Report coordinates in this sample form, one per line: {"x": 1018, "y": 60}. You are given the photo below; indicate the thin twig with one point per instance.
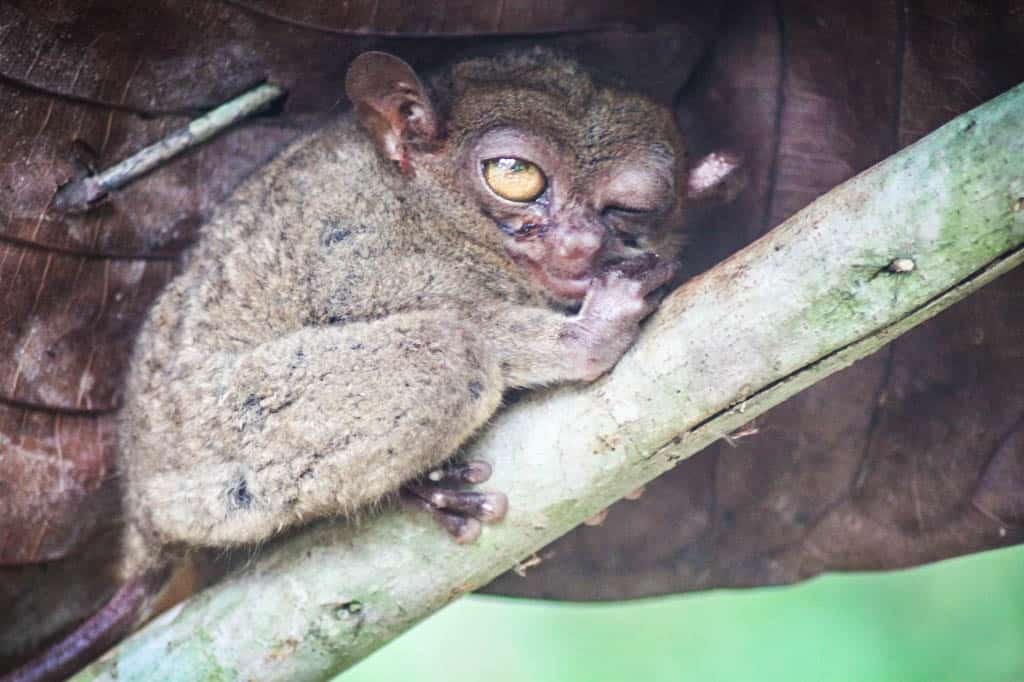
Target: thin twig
{"x": 78, "y": 196}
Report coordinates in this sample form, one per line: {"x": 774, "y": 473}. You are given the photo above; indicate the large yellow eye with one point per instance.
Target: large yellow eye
{"x": 514, "y": 179}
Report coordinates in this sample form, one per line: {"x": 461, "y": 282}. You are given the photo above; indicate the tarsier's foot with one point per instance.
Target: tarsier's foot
{"x": 460, "y": 512}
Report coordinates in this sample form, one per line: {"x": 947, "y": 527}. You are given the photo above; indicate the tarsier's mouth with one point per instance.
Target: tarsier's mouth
{"x": 560, "y": 285}
{"x": 565, "y": 287}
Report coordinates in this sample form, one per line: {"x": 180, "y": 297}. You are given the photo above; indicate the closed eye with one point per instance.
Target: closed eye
{"x": 630, "y": 241}
{"x": 629, "y": 223}
{"x": 626, "y": 210}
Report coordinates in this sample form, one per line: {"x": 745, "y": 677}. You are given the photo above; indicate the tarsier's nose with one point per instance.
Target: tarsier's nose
{"x": 577, "y": 245}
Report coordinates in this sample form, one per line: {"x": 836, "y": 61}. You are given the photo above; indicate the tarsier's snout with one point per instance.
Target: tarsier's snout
{"x": 575, "y": 248}
{"x": 562, "y": 257}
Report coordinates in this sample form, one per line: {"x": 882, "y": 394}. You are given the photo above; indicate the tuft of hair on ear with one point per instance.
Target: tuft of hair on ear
{"x": 392, "y": 104}
{"x": 716, "y": 178}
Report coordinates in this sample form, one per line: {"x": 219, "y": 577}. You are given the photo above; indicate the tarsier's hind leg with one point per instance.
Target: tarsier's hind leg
{"x": 460, "y": 512}
{"x": 322, "y": 422}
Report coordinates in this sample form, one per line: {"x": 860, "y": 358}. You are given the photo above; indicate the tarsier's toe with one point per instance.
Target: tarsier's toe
{"x": 488, "y": 507}
{"x": 460, "y": 512}
{"x": 464, "y": 529}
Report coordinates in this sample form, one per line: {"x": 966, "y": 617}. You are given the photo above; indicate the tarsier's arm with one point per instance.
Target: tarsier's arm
{"x": 580, "y": 347}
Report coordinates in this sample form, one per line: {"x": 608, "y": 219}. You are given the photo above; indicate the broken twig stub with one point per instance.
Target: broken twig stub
{"x": 80, "y": 195}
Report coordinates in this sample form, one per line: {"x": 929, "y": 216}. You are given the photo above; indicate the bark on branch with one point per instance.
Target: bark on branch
{"x": 863, "y": 264}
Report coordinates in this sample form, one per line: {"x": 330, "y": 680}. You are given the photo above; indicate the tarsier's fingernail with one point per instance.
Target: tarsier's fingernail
{"x": 474, "y": 471}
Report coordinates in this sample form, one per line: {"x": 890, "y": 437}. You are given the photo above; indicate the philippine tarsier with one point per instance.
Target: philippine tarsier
{"x": 357, "y": 310}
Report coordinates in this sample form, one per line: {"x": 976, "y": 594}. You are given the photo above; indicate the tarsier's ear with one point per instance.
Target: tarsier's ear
{"x": 391, "y": 103}
{"x": 715, "y": 179}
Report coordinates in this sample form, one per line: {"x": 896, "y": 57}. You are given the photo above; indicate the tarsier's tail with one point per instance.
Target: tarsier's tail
{"x": 126, "y": 609}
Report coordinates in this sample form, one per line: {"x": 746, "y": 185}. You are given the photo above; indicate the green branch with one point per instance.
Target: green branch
{"x": 868, "y": 261}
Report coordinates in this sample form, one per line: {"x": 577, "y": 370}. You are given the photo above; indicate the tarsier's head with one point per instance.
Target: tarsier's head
{"x": 574, "y": 173}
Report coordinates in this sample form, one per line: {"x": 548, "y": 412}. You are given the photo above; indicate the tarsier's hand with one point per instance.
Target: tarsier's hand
{"x": 619, "y": 298}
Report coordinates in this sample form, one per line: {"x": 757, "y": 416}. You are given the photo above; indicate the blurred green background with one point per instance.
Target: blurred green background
{"x": 960, "y": 620}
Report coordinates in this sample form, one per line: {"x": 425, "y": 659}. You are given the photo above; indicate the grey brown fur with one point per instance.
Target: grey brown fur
{"x": 356, "y": 311}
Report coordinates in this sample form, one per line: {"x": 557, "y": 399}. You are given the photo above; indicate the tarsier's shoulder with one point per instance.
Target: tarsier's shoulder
{"x": 328, "y": 175}
{"x": 324, "y": 170}
{"x": 313, "y": 229}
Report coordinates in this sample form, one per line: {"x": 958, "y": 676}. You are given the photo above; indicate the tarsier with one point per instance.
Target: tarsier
{"x": 358, "y": 309}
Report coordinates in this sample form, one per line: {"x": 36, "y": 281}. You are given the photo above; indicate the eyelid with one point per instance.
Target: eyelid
{"x": 628, "y": 210}
{"x": 635, "y": 188}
